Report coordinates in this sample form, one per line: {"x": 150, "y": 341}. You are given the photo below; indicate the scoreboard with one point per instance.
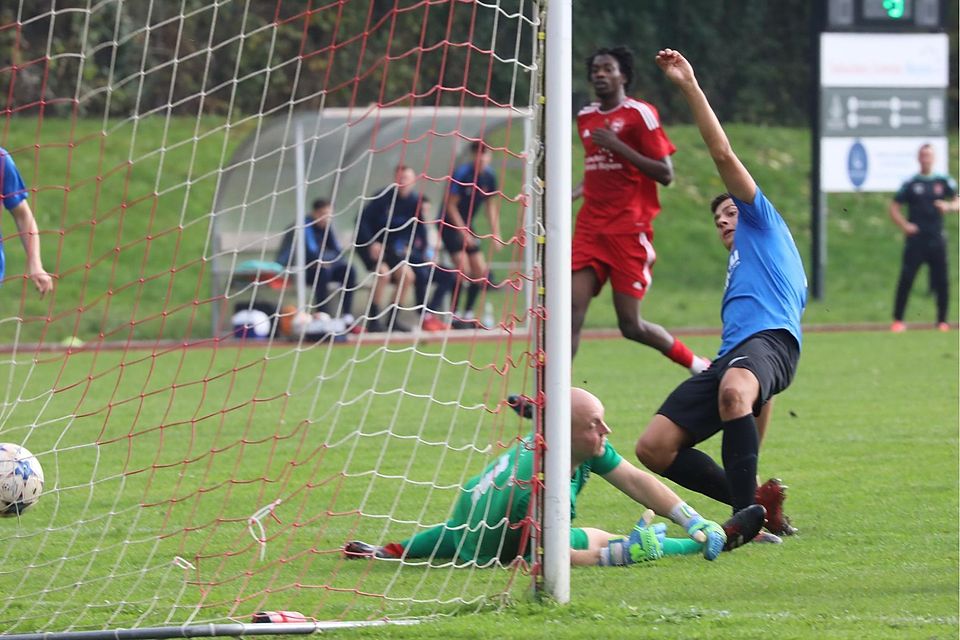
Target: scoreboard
{"x": 886, "y": 15}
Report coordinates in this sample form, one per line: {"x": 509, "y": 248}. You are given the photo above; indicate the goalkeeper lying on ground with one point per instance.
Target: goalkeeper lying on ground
{"x": 491, "y": 518}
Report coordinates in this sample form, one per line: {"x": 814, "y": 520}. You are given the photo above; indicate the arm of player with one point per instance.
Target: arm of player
{"x": 454, "y": 218}
{"x": 451, "y": 206}
{"x": 647, "y": 490}
{"x": 493, "y": 212}
{"x": 577, "y": 192}
{"x": 735, "y": 176}
{"x": 644, "y": 488}
{"x": 30, "y": 238}
{"x": 945, "y": 206}
{"x": 660, "y": 170}
{"x": 896, "y": 214}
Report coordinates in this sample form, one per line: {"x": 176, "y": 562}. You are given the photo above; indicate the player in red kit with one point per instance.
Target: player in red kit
{"x": 626, "y": 153}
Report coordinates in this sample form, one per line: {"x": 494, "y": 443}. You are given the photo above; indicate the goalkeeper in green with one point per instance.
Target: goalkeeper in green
{"x": 492, "y": 521}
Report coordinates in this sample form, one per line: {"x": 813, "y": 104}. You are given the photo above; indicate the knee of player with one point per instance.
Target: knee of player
{"x": 734, "y": 402}
{"x": 633, "y": 329}
{"x": 652, "y": 453}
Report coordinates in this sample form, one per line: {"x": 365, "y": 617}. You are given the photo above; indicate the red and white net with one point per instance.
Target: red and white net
{"x": 199, "y": 472}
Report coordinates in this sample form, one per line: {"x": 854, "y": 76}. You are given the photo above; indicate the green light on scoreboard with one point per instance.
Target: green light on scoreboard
{"x": 894, "y": 8}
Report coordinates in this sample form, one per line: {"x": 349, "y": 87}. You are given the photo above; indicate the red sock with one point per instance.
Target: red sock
{"x": 680, "y": 353}
{"x": 394, "y": 549}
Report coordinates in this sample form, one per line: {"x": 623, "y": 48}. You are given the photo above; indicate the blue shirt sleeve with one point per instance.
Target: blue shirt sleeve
{"x": 14, "y": 190}
{"x": 761, "y": 214}
{"x": 332, "y": 250}
{"x": 490, "y": 180}
{"x": 462, "y": 180}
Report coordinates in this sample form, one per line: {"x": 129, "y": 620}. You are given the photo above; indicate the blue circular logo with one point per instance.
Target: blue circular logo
{"x": 857, "y": 164}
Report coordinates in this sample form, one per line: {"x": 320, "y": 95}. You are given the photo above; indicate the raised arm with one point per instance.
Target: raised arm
{"x": 735, "y": 176}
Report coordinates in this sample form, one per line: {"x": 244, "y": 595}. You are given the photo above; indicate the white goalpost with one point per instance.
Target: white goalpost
{"x": 217, "y": 413}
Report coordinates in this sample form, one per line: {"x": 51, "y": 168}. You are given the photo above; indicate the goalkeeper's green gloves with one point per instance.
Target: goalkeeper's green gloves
{"x": 714, "y": 533}
{"x": 643, "y": 545}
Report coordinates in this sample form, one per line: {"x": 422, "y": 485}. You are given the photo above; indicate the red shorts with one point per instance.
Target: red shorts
{"x": 626, "y": 259}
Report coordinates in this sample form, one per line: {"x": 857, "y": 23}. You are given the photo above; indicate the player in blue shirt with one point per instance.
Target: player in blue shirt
{"x": 472, "y": 185}
{"x": 325, "y": 261}
{"x": 763, "y": 301}
{"x": 928, "y": 196}
{"x": 15, "y": 200}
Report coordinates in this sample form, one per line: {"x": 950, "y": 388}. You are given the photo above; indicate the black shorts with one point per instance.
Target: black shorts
{"x": 453, "y": 240}
{"x": 390, "y": 258}
{"x": 771, "y": 356}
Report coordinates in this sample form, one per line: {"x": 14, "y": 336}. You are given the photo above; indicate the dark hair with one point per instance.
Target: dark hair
{"x": 320, "y": 203}
{"x": 478, "y": 146}
{"x": 718, "y": 200}
{"x": 622, "y": 55}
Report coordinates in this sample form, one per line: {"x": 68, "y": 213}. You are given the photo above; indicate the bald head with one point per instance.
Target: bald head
{"x": 588, "y": 431}
{"x": 583, "y": 404}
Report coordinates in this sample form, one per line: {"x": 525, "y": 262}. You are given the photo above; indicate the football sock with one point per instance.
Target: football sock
{"x": 436, "y": 542}
{"x": 739, "y": 451}
{"x": 698, "y": 472}
{"x": 473, "y": 291}
{"x": 680, "y": 353}
{"x": 681, "y": 547}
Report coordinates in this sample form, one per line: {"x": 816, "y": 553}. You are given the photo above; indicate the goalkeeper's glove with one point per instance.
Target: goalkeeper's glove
{"x": 716, "y": 537}
{"x": 643, "y": 545}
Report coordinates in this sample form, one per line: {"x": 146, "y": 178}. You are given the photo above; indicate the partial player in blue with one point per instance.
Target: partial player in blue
{"x": 325, "y": 261}
{"x": 472, "y": 185}
{"x": 763, "y": 301}
{"x": 15, "y": 200}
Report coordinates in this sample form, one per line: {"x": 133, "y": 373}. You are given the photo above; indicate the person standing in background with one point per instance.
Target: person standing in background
{"x": 928, "y": 196}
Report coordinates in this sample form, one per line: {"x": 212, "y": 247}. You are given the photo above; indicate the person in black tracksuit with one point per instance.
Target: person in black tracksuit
{"x": 928, "y": 196}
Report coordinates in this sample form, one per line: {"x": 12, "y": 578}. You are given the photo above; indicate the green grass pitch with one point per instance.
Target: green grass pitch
{"x": 866, "y": 438}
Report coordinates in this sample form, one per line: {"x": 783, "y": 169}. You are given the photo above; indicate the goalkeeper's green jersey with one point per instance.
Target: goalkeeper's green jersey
{"x": 492, "y": 515}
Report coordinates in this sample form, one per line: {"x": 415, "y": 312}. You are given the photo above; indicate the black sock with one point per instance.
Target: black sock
{"x": 740, "y": 448}
{"x": 473, "y": 290}
{"x": 697, "y": 471}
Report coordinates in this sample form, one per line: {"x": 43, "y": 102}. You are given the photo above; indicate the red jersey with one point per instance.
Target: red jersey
{"x": 618, "y": 197}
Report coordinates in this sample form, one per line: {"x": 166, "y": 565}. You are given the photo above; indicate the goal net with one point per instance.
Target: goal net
{"x": 213, "y": 419}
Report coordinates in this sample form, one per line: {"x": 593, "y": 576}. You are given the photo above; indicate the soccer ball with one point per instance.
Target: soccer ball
{"x": 21, "y": 479}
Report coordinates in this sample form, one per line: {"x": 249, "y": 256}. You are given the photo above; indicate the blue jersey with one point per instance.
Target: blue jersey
{"x": 766, "y": 285}
{"x": 473, "y": 189}
{"x": 14, "y": 192}
{"x": 319, "y": 244}
{"x": 394, "y": 221}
